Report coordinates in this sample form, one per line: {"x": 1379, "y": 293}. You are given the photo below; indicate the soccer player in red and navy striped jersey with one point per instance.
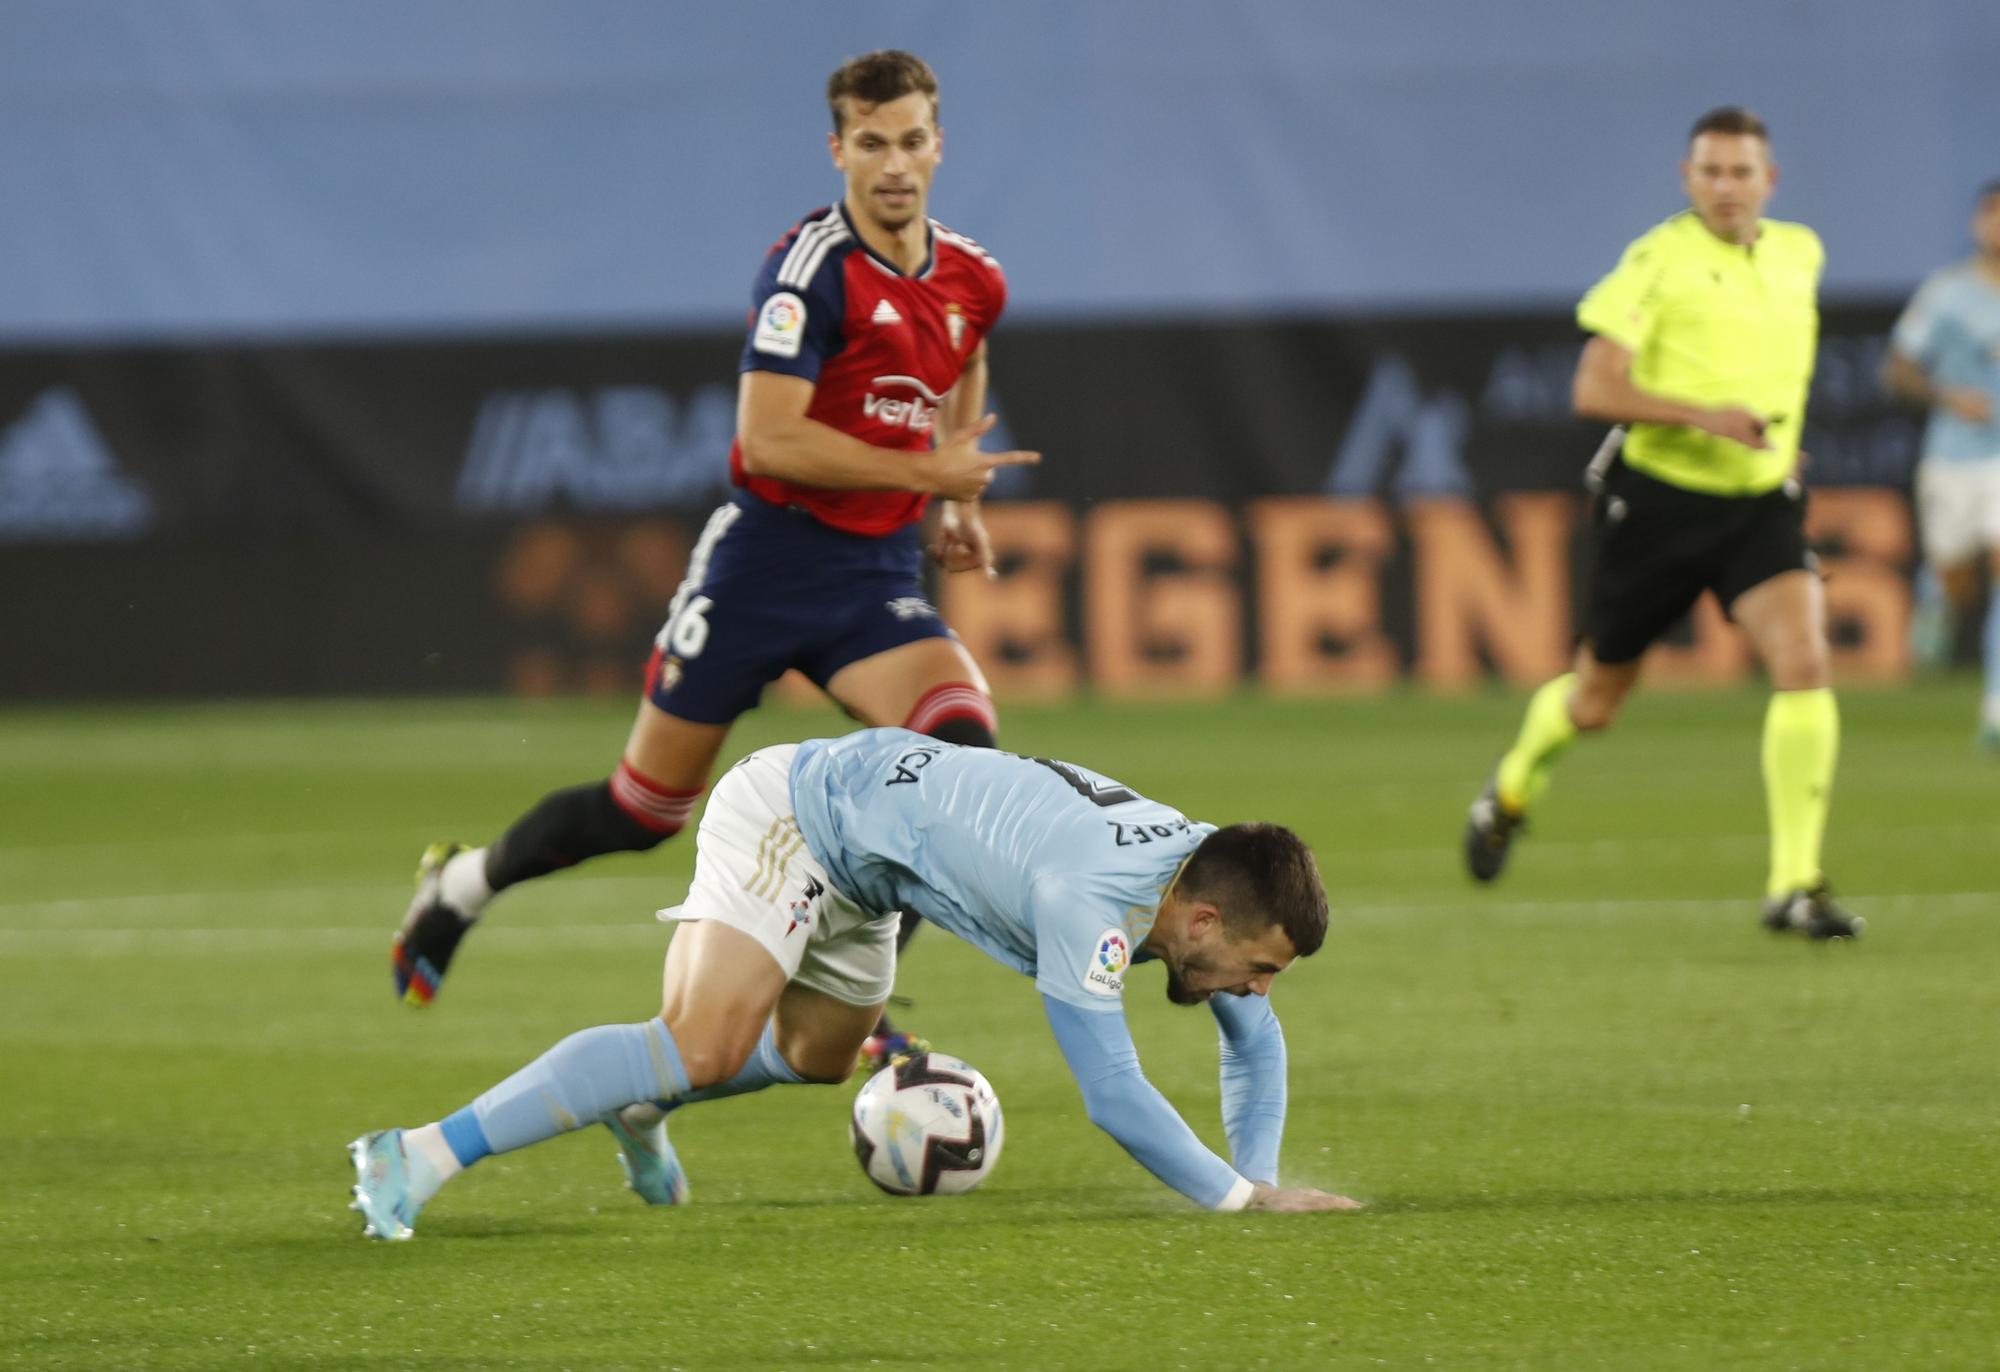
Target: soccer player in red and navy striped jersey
{"x": 862, "y": 397}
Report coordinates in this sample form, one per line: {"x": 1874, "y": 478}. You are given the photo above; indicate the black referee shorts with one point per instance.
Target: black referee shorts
{"x": 1655, "y": 547}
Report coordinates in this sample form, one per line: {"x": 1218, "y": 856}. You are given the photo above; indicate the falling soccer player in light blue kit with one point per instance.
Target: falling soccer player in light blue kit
{"x": 787, "y": 953}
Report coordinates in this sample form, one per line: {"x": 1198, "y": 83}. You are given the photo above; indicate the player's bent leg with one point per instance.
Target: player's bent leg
{"x": 819, "y": 1036}
{"x": 642, "y": 804}
{"x": 578, "y": 1082}
{"x": 719, "y": 989}
{"x": 716, "y": 982}
{"x": 936, "y": 673}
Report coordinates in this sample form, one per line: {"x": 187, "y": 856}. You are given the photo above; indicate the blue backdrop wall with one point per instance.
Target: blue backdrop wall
{"x": 382, "y": 166}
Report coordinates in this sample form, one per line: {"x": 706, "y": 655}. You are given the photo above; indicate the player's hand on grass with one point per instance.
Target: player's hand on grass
{"x": 962, "y": 543}
{"x": 959, "y": 471}
{"x": 1297, "y": 1200}
{"x": 1736, "y": 424}
{"x": 1969, "y": 403}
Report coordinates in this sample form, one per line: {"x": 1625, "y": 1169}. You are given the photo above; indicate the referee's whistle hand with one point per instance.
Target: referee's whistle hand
{"x": 1736, "y": 424}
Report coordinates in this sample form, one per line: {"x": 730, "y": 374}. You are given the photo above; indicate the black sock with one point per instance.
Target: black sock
{"x": 566, "y": 828}
{"x": 973, "y": 733}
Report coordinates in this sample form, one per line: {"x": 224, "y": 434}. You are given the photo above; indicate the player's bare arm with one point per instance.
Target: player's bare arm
{"x": 779, "y": 440}
{"x": 961, "y": 544}
{"x": 1907, "y": 380}
{"x": 1603, "y": 389}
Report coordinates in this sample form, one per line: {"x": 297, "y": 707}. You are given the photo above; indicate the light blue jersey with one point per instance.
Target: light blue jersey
{"x": 1050, "y": 868}
{"x": 1058, "y": 872}
{"x": 1952, "y": 330}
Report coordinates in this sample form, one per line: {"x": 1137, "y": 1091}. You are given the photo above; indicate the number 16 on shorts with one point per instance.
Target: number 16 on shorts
{"x": 688, "y": 634}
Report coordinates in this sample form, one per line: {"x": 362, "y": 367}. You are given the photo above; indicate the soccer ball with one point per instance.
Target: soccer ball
{"x": 926, "y": 1124}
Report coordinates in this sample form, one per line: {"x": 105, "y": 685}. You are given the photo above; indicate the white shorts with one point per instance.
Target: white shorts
{"x": 753, "y": 872}
{"x": 1958, "y": 508}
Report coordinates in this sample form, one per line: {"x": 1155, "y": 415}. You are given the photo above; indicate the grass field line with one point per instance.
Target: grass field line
{"x": 638, "y": 931}
{"x": 18, "y": 855}
{"x": 255, "y": 840}
{"x": 102, "y": 942}
{"x": 390, "y": 896}
{"x": 1874, "y": 836}
{"x": 1860, "y": 902}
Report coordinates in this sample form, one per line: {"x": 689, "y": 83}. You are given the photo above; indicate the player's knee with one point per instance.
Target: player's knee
{"x": 819, "y": 1059}
{"x": 956, "y": 712}
{"x": 1801, "y": 664}
{"x": 1590, "y": 711}
{"x": 708, "y": 1058}
{"x": 829, "y": 1070}
{"x": 642, "y": 811}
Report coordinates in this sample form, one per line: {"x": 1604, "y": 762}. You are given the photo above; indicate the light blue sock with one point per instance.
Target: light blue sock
{"x": 1991, "y": 647}
{"x": 578, "y": 1082}
{"x": 766, "y": 1067}
{"x": 1930, "y": 622}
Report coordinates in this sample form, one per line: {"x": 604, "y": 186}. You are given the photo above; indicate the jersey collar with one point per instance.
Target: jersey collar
{"x": 1721, "y": 245}
{"x": 930, "y": 248}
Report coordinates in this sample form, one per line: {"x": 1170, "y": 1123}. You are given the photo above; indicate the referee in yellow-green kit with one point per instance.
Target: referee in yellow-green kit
{"x": 1702, "y": 342}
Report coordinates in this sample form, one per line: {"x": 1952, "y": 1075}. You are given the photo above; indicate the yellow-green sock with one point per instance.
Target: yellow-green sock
{"x": 1545, "y": 732}
{"x": 1801, "y": 742}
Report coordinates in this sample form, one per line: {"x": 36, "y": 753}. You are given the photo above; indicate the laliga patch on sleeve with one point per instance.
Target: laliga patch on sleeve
{"x": 1104, "y": 971}
{"x": 781, "y": 326}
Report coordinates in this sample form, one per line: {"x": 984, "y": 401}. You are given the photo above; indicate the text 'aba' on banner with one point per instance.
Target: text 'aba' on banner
{"x": 1309, "y": 505}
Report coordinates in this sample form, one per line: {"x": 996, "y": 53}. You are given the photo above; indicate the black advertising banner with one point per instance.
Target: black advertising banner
{"x": 1311, "y": 503}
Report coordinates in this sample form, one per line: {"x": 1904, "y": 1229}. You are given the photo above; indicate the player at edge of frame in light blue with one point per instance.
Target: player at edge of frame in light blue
{"x": 785, "y": 952}
{"x": 1945, "y": 356}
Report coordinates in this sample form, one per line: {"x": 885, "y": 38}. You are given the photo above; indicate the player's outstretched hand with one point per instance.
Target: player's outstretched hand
{"x": 962, "y": 544}
{"x": 1736, "y": 424}
{"x": 1297, "y": 1200}
{"x": 959, "y": 471}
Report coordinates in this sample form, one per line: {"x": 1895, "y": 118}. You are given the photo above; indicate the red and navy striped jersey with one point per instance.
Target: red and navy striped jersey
{"x": 881, "y": 348}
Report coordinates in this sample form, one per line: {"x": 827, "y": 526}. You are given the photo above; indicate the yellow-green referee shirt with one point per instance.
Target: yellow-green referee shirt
{"x": 1710, "y": 323}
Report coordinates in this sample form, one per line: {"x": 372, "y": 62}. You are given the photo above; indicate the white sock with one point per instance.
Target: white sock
{"x": 463, "y": 884}
{"x": 427, "y": 1145}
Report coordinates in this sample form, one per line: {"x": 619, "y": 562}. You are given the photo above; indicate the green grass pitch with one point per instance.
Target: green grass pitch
{"x": 1602, "y": 1118}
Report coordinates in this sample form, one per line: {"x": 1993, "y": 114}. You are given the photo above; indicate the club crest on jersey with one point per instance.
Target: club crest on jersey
{"x": 1104, "y": 972}
{"x": 954, "y": 323}
{"x": 781, "y": 326}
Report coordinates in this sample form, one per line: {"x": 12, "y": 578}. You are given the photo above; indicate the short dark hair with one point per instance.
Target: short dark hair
{"x": 875, "y": 78}
{"x": 1259, "y": 875}
{"x": 1987, "y": 191}
{"x": 1729, "y": 119}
